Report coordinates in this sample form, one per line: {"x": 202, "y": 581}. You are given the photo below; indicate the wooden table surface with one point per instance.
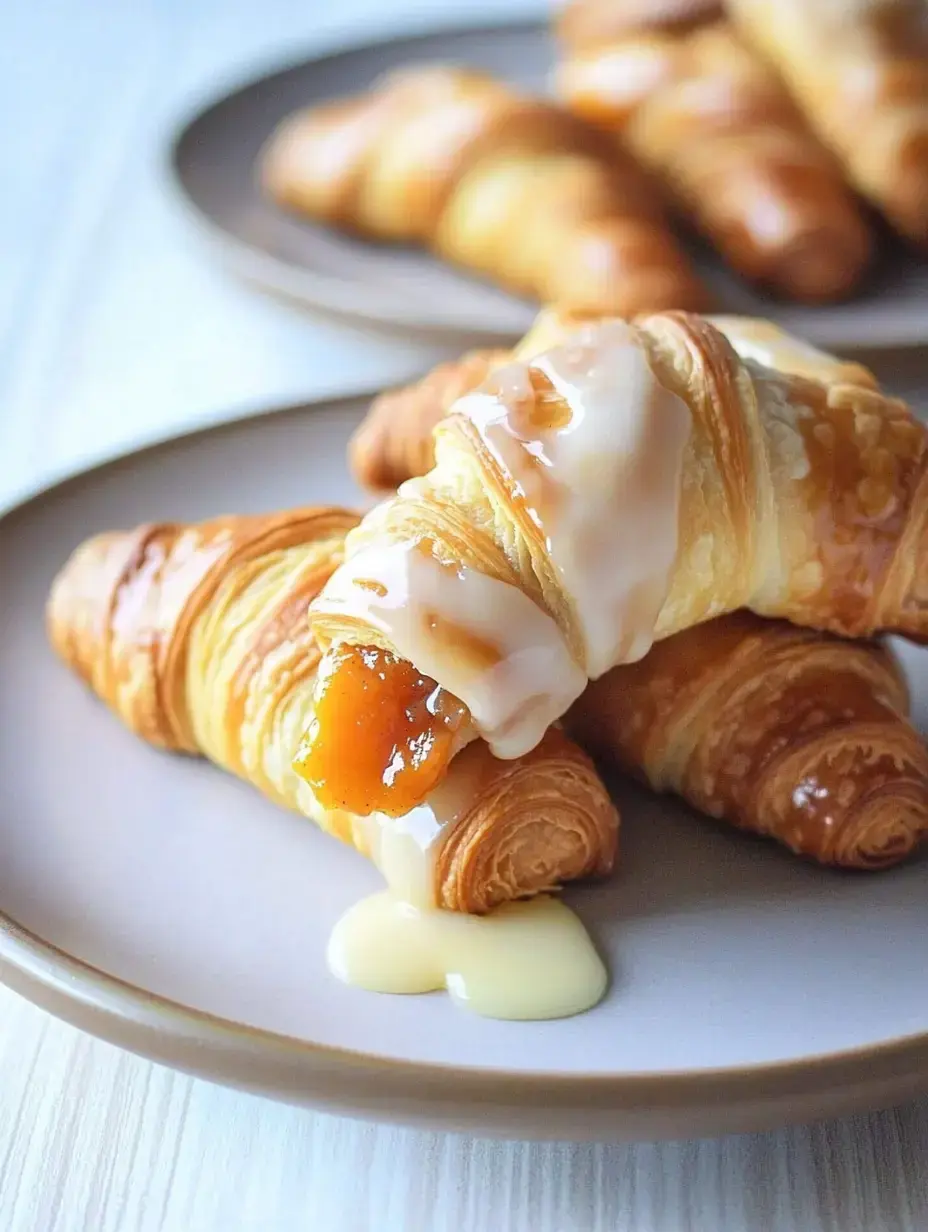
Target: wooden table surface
{"x": 114, "y": 328}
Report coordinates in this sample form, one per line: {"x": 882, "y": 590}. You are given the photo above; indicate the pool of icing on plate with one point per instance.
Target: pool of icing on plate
{"x": 523, "y": 960}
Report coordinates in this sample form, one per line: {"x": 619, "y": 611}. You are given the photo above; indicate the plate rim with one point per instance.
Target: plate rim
{"x": 527, "y": 1103}
{"x": 315, "y": 290}
{"x": 252, "y": 263}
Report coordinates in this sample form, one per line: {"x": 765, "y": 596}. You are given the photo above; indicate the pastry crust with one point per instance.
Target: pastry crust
{"x": 513, "y": 188}
{"x": 697, "y": 106}
{"x": 796, "y": 499}
{"x": 859, "y": 71}
{"x": 196, "y": 636}
{"x": 775, "y": 729}
{"x": 394, "y": 441}
{"x": 800, "y": 499}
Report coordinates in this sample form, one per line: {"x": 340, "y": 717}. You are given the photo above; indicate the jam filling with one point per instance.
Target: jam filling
{"x": 382, "y": 736}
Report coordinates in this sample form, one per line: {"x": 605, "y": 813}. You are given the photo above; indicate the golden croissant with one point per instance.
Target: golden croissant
{"x": 617, "y": 488}
{"x": 196, "y": 636}
{"x": 394, "y": 441}
{"x": 778, "y": 730}
{"x": 513, "y": 188}
{"x": 859, "y": 71}
{"x": 698, "y": 107}
{"x": 783, "y": 731}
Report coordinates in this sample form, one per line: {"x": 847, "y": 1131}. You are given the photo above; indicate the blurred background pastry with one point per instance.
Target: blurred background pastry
{"x": 678, "y": 86}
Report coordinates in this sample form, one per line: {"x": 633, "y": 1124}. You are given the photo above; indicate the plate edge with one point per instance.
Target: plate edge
{"x": 662, "y": 1104}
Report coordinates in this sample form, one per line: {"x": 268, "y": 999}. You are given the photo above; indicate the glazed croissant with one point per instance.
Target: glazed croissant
{"x": 859, "y": 71}
{"x": 779, "y": 730}
{"x": 619, "y": 488}
{"x": 698, "y": 107}
{"x": 510, "y": 187}
{"x": 394, "y": 441}
{"x": 196, "y": 636}
{"x": 749, "y": 720}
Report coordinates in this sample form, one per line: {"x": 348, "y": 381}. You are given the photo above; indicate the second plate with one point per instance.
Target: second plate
{"x": 213, "y": 160}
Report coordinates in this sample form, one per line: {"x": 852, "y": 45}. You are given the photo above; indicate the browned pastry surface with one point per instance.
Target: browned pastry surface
{"x": 796, "y": 498}
{"x": 772, "y": 728}
{"x": 395, "y": 439}
{"x": 817, "y": 488}
{"x": 775, "y": 729}
{"x": 196, "y": 636}
{"x": 513, "y": 188}
{"x": 703, "y": 111}
{"x": 859, "y": 71}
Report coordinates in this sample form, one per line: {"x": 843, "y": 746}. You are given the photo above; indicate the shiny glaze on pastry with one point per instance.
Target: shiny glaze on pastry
{"x": 796, "y": 499}
{"x": 779, "y": 730}
{"x": 705, "y": 714}
{"x": 196, "y": 636}
{"x": 772, "y": 347}
{"x": 583, "y": 442}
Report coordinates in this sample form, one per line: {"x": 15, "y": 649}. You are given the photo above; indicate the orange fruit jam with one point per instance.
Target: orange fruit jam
{"x": 382, "y": 735}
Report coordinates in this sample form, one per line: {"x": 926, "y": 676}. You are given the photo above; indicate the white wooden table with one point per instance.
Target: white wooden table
{"x": 114, "y": 327}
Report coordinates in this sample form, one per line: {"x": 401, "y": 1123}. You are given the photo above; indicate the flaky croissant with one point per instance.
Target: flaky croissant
{"x": 614, "y": 490}
{"x": 394, "y": 441}
{"x": 513, "y": 188}
{"x": 749, "y": 720}
{"x": 859, "y": 71}
{"x": 779, "y": 730}
{"x": 676, "y": 83}
{"x": 196, "y": 636}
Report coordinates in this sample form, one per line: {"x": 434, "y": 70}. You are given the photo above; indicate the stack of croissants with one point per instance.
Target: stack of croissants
{"x": 764, "y": 702}
{"x": 777, "y": 129}
{"x": 761, "y": 694}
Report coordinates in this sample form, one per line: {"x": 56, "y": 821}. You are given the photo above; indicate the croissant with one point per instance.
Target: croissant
{"x": 859, "y": 71}
{"x": 196, "y": 636}
{"x": 394, "y": 442}
{"x": 675, "y": 82}
{"x": 738, "y": 713}
{"x": 513, "y": 188}
{"x": 616, "y": 489}
{"x": 778, "y": 730}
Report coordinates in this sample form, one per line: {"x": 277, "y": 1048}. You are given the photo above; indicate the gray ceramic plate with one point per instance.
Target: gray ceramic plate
{"x": 163, "y": 905}
{"x": 213, "y": 160}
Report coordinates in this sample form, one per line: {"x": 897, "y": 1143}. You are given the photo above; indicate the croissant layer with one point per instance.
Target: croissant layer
{"x": 515, "y": 189}
{"x": 859, "y": 72}
{"x": 775, "y": 729}
{"x": 196, "y": 636}
{"x": 798, "y": 498}
{"x": 703, "y": 111}
{"x": 394, "y": 442}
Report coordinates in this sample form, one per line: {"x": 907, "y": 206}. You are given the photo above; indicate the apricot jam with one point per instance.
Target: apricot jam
{"x": 382, "y": 736}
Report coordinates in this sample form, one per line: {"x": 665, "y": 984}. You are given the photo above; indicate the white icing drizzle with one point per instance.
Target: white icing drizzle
{"x": 602, "y": 482}
{"x": 404, "y": 849}
{"x": 482, "y": 639}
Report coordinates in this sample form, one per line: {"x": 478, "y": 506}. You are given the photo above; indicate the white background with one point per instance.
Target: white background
{"x": 115, "y": 327}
